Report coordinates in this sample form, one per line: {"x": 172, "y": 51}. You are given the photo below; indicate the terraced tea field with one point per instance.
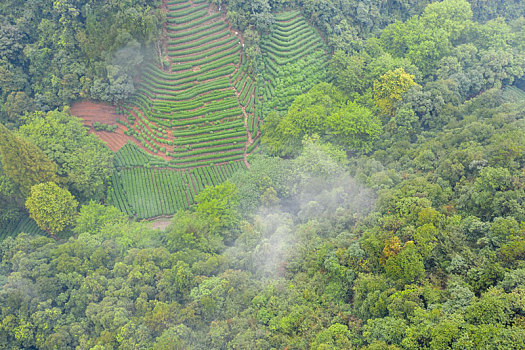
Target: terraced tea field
{"x": 295, "y": 59}
{"x": 513, "y": 94}
{"x": 193, "y": 113}
{"x": 198, "y": 117}
{"x": 144, "y": 187}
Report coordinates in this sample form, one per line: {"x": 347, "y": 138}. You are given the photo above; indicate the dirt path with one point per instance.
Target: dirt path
{"x": 249, "y": 141}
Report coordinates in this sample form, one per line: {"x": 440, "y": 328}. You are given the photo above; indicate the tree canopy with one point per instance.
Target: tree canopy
{"x": 384, "y": 207}
{"x": 83, "y": 160}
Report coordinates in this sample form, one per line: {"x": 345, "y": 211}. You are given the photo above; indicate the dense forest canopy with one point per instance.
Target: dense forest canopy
{"x": 55, "y": 52}
{"x": 383, "y": 209}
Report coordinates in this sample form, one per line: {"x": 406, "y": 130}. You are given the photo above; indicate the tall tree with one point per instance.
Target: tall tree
{"x": 83, "y": 159}
{"x": 24, "y": 162}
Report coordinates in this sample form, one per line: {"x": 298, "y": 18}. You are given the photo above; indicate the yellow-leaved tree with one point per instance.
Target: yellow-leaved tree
{"x": 389, "y": 90}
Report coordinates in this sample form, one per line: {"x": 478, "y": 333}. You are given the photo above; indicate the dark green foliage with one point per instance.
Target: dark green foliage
{"x": 53, "y": 54}
{"x": 398, "y": 227}
{"x": 24, "y": 163}
{"x": 84, "y": 161}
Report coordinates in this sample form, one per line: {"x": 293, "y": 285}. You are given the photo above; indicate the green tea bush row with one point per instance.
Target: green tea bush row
{"x": 234, "y": 158}
{"x": 130, "y": 155}
{"x": 185, "y": 11}
{"x": 301, "y": 42}
{"x": 207, "y": 144}
{"x": 246, "y": 94}
{"x": 188, "y": 44}
{"x": 195, "y": 103}
{"x": 194, "y": 23}
{"x": 208, "y": 157}
{"x": 286, "y": 16}
{"x": 183, "y": 34}
{"x": 153, "y": 192}
{"x": 180, "y": 6}
{"x": 227, "y": 44}
{"x": 175, "y": 2}
{"x": 212, "y": 107}
{"x": 291, "y": 31}
{"x": 253, "y": 145}
{"x": 249, "y": 105}
{"x": 190, "y": 17}
{"x": 233, "y": 125}
{"x": 222, "y": 53}
{"x": 206, "y": 30}
{"x": 221, "y": 83}
{"x": 298, "y": 32}
{"x": 240, "y": 84}
{"x": 206, "y": 150}
{"x": 279, "y": 45}
{"x": 117, "y": 196}
{"x": 209, "y": 137}
{"x": 282, "y": 25}
{"x": 221, "y": 62}
{"x": 210, "y": 118}
{"x": 202, "y": 50}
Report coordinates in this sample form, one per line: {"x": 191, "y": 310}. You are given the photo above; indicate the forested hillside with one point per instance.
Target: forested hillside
{"x": 55, "y": 52}
{"x": 336, "y": 174}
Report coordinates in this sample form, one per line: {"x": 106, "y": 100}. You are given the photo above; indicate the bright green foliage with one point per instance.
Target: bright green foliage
{"x": 93, "y": 217}
{"x": 355, "y": 74}
{"x": 493, "y": 194}
{"x": 323, "y": 110}
{"x": 337, "y": 336}
{"x": 319, "y": 160}
{"x": 354, "y": 126}
{"x": 23, "y": 162}
{"x": 218, "y": 205}
{"x": 53, "y": 208}
{"x": 83, "y": 160}
{"x": 270, "y": 174}
{"x": 389, "y": 90}
{"x": 416, "y": 243}
{"x": 428, "y": 38}
{"x": 387, "y": 329}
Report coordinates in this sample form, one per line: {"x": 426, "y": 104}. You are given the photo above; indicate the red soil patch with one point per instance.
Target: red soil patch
{"x": 91, "y": 112}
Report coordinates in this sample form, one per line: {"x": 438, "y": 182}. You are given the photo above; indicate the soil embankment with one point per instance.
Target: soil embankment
{"x": 91, "y": 112}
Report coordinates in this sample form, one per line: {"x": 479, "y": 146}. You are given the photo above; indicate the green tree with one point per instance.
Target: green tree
{"x": 337, "y": 336}
{"x": 24, "y": 163}
{"x": 406, "y": 266}
{"x": 83, "y": 159}
{"x": 9, "y": 206}
{"x": 93, "y": 217}
{"x": 354, "y": 126}
{"x": 389, "y": 90}
{"x": 53, "y": 208}
{"x": 219, "y": 206}
{"x": 17, "y": 104}
{"x": 427, "y": 38}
